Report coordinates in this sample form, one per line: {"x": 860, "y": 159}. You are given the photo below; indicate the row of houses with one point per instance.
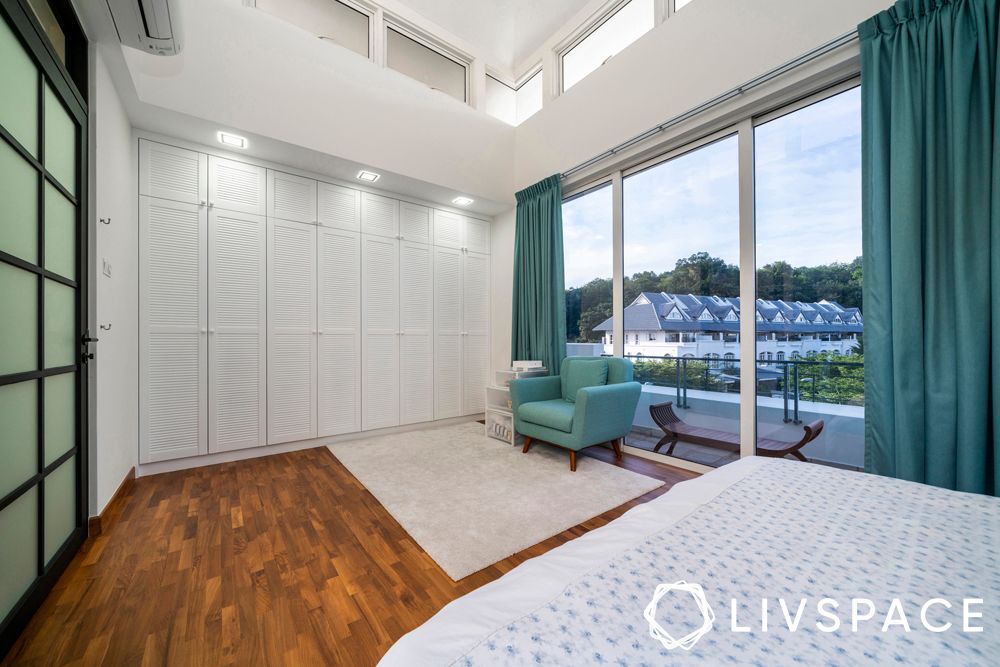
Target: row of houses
{"x": 658, "y": 324}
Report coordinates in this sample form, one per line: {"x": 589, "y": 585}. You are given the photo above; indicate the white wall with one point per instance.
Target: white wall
{"x": 114, "y": 435}
{"x": 246, "y": 70}
{"x": 706, "y": 49}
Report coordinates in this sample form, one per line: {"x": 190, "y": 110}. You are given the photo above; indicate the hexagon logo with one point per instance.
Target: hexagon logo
{"x": 688, "y": 641}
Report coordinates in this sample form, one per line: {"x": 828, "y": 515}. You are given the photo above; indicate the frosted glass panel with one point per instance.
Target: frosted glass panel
{"x": 60, "y": 142}
{"x": 60, "y": 330}
{"x": 19, "y": 83}
{"x": 60, "y": 506}
{"x": 19, "y": 194}
{"x": 60, "y": 415}
{"x": 60, "y": 233}
{"x": 18, "y": 548}
{"x": 19, "y": 320}
{"x": 18, "y": 434}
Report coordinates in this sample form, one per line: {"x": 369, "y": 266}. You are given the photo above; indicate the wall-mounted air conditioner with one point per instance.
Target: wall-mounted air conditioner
{"x": 153, "y": 26}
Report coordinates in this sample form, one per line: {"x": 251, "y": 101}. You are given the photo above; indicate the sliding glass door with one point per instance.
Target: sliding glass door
{"x": 42, "y": 310}
{"x": 681, "y": 253}
{"x": 738, "y": 289}
{"x": 809, "y": 324}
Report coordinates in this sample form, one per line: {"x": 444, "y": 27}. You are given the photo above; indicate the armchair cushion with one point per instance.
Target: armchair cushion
{"x": 556, "y": 413}
{"x": 579, "y": 373}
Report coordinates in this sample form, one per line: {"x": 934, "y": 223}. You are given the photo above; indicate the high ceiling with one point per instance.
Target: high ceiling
{"x": 510, "y": 30}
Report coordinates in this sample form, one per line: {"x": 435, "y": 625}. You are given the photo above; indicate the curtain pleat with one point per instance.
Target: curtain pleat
{"x": 539, "y": 302}
{"x": 931, "y": 226}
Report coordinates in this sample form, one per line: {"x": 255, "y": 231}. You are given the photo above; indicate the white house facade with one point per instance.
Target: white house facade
{"x": 686, "y": 325}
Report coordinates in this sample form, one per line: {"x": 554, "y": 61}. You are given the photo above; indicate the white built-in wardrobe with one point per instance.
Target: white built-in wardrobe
{"x": 276, "y": 308}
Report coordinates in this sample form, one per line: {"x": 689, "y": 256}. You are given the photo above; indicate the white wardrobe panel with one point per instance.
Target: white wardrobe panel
{"x": 414, "y": 223}
{"x": 475, "y": 372}
{"x": 416, "y": 340}
{"x": 339, "y": 340}
{"x": 236, "y": 186}
{"x": 476, "y": 293}
{"x": 173, "y": 173}
{"x": 379, "y": 215}
{"x": 477, "y": 235}
{"x": 291, "y": 341}
{"x": 172, "y": 329}
{"x": 339, "y": 207}
{"x": 237, "y": 330}
{"x": 476, "y": 319}
{"x": 291, "y": 197}
{"x": 449, "y": 229}
{"x": 380, "y": 331}
{"x": 448, "y": 331}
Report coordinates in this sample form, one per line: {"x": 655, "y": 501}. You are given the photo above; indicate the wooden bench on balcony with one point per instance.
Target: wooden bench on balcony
{"x": 675, "y": 429}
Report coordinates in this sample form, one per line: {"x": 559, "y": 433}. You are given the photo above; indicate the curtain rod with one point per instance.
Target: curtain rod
{"x": 805, "y": 58}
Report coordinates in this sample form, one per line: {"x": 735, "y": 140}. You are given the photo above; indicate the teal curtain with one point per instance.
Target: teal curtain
{"x": 539, "y": 317}
{"x": 931, "y": 220}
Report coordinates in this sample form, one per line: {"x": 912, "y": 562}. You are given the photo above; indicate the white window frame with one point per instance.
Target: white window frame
{"x": 663, "y": 9}
{"x": 370, "y": 10}
{"x": 794, "y": 98}
{"x": 425, "y": 39}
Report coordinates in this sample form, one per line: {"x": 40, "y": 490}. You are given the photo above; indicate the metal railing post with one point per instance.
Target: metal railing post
{"x": 784, "y": 389}
{"x": 795, "y": 380}
{"x": 684, "y": 384}
{"x": 677, "y": 382}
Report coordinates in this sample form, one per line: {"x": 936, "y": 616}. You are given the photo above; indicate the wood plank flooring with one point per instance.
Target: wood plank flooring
{"x": 281, "y": 560}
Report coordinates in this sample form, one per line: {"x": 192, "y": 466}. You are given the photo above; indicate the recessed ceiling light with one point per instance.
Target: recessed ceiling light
{"x": 232, "y": 140}
{"x": 368, "y": 176}
{"x": 462, "y": 201}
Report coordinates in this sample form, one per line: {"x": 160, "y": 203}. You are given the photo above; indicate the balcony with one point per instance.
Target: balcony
{"x": 705, "y": 392}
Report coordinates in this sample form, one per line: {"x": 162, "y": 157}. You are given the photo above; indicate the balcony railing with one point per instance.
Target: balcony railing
{"x": 793, "y": 380}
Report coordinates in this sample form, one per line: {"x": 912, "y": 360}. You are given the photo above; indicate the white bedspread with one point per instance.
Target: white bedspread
{"x": 758, "y": 528}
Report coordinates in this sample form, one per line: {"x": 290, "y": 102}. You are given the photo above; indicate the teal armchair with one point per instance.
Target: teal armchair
{"x": 592, "y": 401}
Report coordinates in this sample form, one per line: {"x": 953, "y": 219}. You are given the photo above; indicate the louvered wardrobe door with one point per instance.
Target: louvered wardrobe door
{"x": 416, "y": 326}
{"x": 291, "y": 197}
{"x": 339, "y": 340}
{"x": 172, "y": 330}
{"x": 236, "y": 186}
{"x": 477, "y": 235}
{"x": 414, "y": 223}
{"x": 380, "y": 331}
{"x": 379, "y": 215}
{"x": 476, "y": 330}
{"x": 237, "y": 381}
{"x": 449, "y": 231}
{"x": 168, "y": 172}
{"x": 447, "y": 333}
{"x": 339, "y": 207}
{"x": 291, "y": 331}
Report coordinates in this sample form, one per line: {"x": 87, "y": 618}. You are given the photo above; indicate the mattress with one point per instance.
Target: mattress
{"x": 764, "y": 561}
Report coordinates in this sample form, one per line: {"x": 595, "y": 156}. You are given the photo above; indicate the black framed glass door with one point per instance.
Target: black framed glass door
{"x": 43, "y": 304}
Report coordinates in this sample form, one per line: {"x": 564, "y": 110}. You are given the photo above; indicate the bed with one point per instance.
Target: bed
{"x": 759, "y": 528}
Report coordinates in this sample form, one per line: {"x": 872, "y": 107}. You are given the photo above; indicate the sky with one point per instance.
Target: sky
{"x": 807, "y": 196}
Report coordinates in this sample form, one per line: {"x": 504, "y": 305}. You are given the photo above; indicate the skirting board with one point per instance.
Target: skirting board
{"x": 95, "y": 524}
{"x": 146, "y": 469}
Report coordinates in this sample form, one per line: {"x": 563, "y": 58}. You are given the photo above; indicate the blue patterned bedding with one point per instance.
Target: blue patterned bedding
{"x": 789, "y": 533}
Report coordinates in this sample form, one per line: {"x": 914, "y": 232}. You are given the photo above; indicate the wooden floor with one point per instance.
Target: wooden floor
{"x": 282, "y": 560}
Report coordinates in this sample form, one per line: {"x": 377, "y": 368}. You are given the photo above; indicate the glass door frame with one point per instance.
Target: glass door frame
{"x": 743, "y": 128}
{"x": 20, "y": 18}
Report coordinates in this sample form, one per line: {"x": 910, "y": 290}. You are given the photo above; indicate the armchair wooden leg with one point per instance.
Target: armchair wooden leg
{"x": 617, "y": 445}
{"x": 527, "y": 444}
{"x": 572, "y": 461}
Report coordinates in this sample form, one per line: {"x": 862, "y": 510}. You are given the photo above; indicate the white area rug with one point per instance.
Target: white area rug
{"x": 470, "y": 501}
